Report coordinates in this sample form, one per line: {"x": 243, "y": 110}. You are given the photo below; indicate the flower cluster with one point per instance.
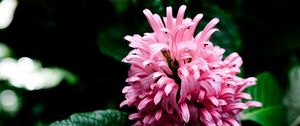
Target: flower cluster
{"x": 178, "y": 79}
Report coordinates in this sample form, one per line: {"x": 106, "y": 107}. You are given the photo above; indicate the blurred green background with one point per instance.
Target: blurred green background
{"x": 79, "y": 45}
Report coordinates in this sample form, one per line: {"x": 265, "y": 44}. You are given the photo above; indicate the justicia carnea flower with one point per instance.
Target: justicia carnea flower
{"x": 178, "y": 79}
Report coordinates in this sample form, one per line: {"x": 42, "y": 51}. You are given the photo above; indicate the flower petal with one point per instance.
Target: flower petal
{"x": 169, "y": 22}
{"x": 232, "y": 121}
{"x": 134, "y": 116}
{"x": 151, "y": 20}
{"x": 158, "y": 97}
{"x": 205, "y": 115}
{"x": 185, "y": 112}
{"x": 158, "y": 114}
{"x": 168, "y": 88}
{"x": 156, "y": 48}
{"x": 214, "y": 101}
{"x": 144, "y": 103}
{"x": 253, "y": 104}
{"x": 180, "y": 14}
{"x": 243, "y": 96}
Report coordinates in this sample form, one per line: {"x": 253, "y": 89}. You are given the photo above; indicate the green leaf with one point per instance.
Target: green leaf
{"x": 112, "y": 44}
{"x": 268, "y": 92}
{"x": 229, "y": 35}
{"x": 120, "y": 5}
{"x": 268, "y": 116}
{"x": 95, "y": 118}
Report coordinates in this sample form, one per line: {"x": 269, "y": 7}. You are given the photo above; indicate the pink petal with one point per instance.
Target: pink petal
{"x": 234, "y": 106}
{"x": 205, "y": 115}
{"x": 165, "y": 31}
{"x": 129, "y": 38}
{"x": 225, "y": 124}
{"x": 231, "y": 58}
{"x": 147, "y": 62}
{"x": 235, "y": 70}
{"x": 222, "y": 102}
{"x": 132, "y": 79}
{"x": 163, "y": 81}
{"x": 144, "y": 103}
{"x": 152, "y": 119}
{"x": 215, "y": 114}
{"x": 254, "y": 104}
{"x": 146, "y": 119}
{"x": 229, "y": 91}
{"x": 151, "y": 20}
{"x": 158, "y": 114}
{"x": 244, "y": 96}
{"x": 208, "y": 88}
{"x": 134, "y": 116}
{"x": 125, "y": 102}
{"x": 230, "y": 83}
{"x": 237, "y": 62}
{"x": 158, "y": 97}
{"x": 202, "y": 64}
{"x": 219, "y": 122}
{"x": 232, "y": 121}
{"x": 183, "y": 72}
{"x": 214, "y": 101}
{"x": 187, "y": 45}
{"x": 180, "y": 14}
{"x": 209, "y": 26}
{"x": 170, "y": 22}
{"x": 201, "y": 95}
{"x": 209, "y": 33}
{"x": 138, "y": 123}
{"x": 156, "y": 48}
{"x": 168, "y": 88}
{"x": 157, "y": 74}
{"x": 126, "y": 89}
{"x": 158, "y": 21}
{"x": 196, "y": 72}
{"x": 188, "y": 30}
{"x": 251, "y": 81}
{"x": 196, "y": 20}
{"x": 185, "y": 112}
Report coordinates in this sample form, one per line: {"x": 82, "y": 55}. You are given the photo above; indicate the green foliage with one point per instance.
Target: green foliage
{"x": 229, "y": 35}
{"x": 121, "y": 5}
{"x": 111, "y": 43}
{"x": 96, "y": 118}
{"x": 267, "y": 116}
{"x": 268, "y": 92}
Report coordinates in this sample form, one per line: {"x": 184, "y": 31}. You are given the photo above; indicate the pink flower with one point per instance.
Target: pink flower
{"x": 178, "y": 79}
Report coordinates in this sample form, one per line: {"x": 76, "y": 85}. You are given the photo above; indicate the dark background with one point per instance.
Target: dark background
{"x": 70, "y": 34}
